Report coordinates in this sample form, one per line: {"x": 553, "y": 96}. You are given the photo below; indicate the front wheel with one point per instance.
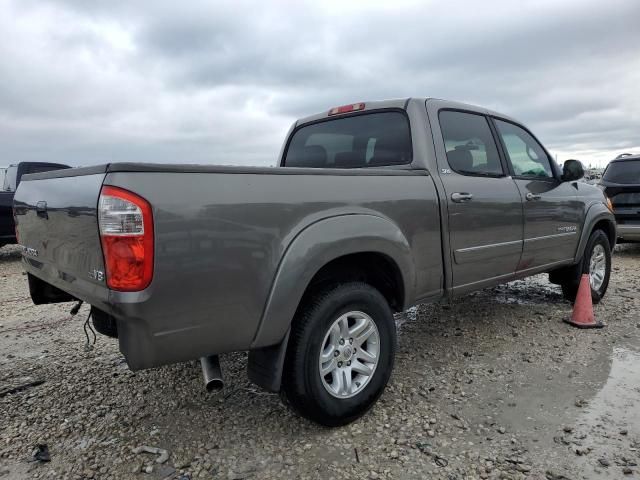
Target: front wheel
{"x": 596, "y": 261}
{"x": 340, "y": 353}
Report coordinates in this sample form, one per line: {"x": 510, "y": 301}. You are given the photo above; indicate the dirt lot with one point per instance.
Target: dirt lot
{"x": 493, "y": 386}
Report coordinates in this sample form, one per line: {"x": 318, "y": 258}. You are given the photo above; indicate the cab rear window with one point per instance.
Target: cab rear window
{"x": 366, "y": 140}
{"x": 627, "y": 172}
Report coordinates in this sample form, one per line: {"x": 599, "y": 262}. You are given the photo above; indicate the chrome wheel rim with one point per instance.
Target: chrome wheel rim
{"x": 597, "y": 267}
{"x": 349, "y": 354}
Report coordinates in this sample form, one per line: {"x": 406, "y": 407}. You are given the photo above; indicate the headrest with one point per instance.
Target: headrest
{"x": 389, "y": 150}
{"x": 460, "y": 159}
{"x": 312, "y": 156}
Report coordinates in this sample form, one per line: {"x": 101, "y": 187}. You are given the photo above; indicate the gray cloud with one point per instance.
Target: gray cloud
{"x": 88, "y": 82}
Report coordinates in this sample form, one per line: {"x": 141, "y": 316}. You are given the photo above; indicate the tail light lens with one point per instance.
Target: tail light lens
{"x": 126, "y": 231}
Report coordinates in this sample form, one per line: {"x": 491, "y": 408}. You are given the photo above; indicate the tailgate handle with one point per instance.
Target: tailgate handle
{"x": 41, "y": 209}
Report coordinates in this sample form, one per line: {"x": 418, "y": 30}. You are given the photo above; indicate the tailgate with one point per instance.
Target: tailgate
{"x": 57, "y": 225}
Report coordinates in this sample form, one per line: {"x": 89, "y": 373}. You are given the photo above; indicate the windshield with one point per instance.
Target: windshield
{"x": 627, "y": 172}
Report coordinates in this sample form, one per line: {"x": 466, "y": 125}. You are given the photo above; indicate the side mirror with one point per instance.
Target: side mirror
{"x": 572, "y": 170}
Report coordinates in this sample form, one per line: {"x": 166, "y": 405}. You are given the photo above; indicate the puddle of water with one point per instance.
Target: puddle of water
{"x": 610, "y": 426}
{"x": 618, "y": 402}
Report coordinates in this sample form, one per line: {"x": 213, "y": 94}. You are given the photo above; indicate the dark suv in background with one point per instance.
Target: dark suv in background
{"x": 621, "y": 183}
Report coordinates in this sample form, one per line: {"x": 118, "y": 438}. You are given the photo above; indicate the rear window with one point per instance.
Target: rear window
{"x": 368, "y": 140}
{"x": 623, "y": 172}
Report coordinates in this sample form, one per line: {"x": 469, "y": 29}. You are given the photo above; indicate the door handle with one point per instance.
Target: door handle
{"x": 532, "y": 196}
{"x": 461, "y": 197}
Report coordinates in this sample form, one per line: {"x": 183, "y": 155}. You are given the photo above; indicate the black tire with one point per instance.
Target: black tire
{"x": 572, "y": 282}
{"x": 302, "y": 383}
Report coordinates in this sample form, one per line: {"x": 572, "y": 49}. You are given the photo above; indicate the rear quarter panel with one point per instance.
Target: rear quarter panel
{"x": 220, "y": 238}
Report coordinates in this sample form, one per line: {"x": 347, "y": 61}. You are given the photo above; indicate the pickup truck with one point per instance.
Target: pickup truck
{"x": 9, "y": 179}
{"x": 373, "y": 208}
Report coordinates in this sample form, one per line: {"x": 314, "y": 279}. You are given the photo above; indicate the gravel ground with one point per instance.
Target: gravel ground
{"x": 492, "y": 386}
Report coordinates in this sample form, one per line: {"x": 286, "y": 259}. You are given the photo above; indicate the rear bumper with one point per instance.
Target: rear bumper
{"x": 149, "y": 334}
{"x": 629, "y": 232}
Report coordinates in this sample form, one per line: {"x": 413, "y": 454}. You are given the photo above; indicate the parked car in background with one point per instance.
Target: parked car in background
{"x": 11, "y": 177}
{"x": 621, "y": 184}
{"x": 374, "y": 207}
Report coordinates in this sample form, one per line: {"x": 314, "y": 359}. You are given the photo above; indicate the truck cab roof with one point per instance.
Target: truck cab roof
{"x": 399, "y": 103}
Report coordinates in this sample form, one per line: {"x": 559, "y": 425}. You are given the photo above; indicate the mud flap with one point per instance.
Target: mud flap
{"x": 266, "y": 364}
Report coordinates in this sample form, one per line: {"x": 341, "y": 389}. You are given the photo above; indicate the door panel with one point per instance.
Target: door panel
{"x": 484, "y": 206}
{"x": 552, "y": 212}
{"x": 552, "y": 222}
{"x": 485, "y": 232}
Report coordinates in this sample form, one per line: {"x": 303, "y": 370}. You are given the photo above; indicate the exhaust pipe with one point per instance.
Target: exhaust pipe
{"x": 211, "y": 373}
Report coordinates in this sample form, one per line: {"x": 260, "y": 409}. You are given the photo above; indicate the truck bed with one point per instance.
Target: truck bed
{"x": 220, "y": 236}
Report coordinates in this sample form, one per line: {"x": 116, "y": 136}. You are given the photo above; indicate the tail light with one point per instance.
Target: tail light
{"x": 126, "y": 231}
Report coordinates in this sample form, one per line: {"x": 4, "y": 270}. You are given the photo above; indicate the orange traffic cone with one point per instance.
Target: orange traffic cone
{"x": 582, "y": 316}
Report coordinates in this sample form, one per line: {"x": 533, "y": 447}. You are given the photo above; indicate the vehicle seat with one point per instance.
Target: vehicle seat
{"x": 312, "y": 156}
{"x": 389, "y": 150}
{"x": 460, "y": 160}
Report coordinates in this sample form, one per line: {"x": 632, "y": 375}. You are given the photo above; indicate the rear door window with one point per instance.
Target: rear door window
{"x": 367, "y": 140}
{"x": 627, "y": 172}
{"x": 471, "y": 149}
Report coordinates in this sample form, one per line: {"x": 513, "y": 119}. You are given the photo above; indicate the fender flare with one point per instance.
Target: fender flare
{"x": 596, "y": 213}
{"x": 314, "y": 247}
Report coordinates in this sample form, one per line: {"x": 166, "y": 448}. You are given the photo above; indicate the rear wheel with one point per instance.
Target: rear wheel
{"x": 340, "y": 354}
{"x": 596, "y": 261}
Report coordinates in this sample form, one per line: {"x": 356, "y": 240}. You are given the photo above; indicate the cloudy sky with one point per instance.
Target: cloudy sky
{"x": 86, "y": 82}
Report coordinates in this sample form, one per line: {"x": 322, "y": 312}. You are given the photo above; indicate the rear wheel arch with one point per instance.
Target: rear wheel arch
{"x": 319, "y": 248}
{"x": 386, "y": 266}
{"x": 373, "y": 268}
{"x": 370, "y": 268}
